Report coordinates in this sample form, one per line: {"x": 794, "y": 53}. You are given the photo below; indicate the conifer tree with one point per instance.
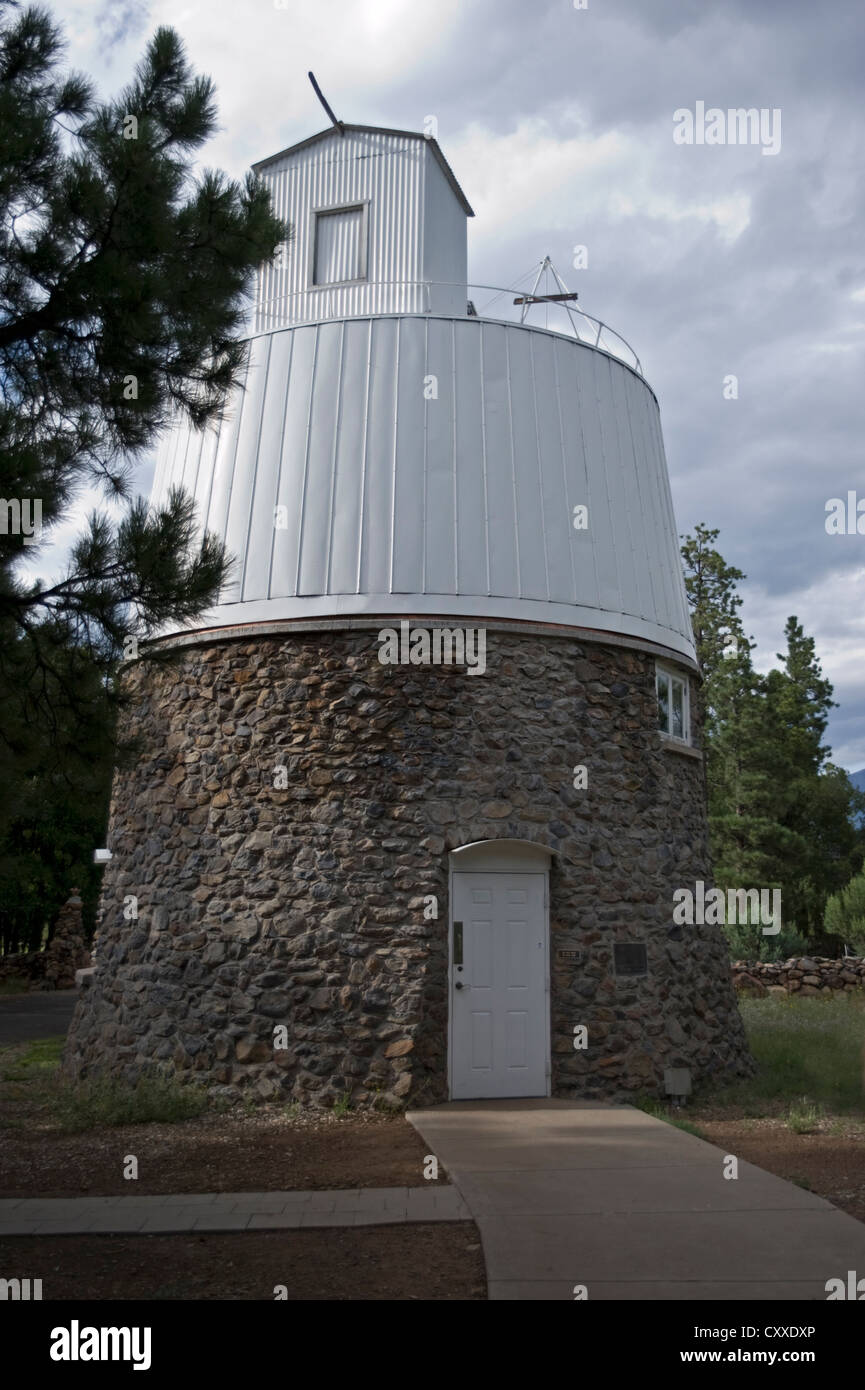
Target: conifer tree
{"x": 124, "y": 281}
{"x": 780, "y": 815}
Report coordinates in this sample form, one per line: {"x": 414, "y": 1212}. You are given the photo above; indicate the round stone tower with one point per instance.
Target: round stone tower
{"x": 412, "y": 801}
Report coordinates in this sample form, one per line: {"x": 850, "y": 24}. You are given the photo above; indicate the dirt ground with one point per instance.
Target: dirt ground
{"x": 266, "y": 1152}
{"x": 415, "y": 1262}
{"x": 830, "y": 1161}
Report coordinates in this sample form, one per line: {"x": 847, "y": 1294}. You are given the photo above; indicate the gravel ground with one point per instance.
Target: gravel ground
{"x": 830, "y": 1161}
{"x": 395, "y": 1263}
{"x": 268, "y": 1151}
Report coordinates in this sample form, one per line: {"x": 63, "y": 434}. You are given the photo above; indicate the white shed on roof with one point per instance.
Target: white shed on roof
{"x": 379, "y": 227}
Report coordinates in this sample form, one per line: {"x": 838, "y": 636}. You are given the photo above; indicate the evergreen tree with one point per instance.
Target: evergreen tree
{"x": 780, "y": 815}
{"x": 845, "y": 914}
{"x": 124, "y": 282}
{"x": 711, "y": 587}
{"x": 742, "y": 825}
{"x": 815, "y": 799}
{"x": 122, "y": 295}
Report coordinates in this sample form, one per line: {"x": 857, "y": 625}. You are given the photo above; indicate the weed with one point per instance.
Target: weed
{"x": 108, "y": 1102}
{"x": 650, "y": 1105}
{"x": 803, "y": 1116}
{"x": 342, "y": 1106}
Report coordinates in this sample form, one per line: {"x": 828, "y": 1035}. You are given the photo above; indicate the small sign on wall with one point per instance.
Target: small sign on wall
{"x": 567, "y": 955}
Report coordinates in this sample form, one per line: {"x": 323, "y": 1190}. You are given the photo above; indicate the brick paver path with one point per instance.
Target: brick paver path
{"x": 229, "y": 1211}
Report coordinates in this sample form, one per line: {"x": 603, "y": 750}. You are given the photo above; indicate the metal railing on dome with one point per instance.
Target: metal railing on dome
{"x": 570, "y": 319}
{"x": 512, "y": 306}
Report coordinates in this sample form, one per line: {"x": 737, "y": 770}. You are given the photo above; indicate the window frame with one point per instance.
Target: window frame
{"x": 670, "y": 676}
{"x": 357, "y": 205}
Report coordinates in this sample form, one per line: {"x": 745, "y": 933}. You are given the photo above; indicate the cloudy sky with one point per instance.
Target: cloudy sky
{"x": 711, "y": 259}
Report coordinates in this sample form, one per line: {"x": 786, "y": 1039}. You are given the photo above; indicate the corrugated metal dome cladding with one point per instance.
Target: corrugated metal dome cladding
{"x": 459, "y": 504}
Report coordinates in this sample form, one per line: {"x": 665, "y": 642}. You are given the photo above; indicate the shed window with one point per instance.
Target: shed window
{"x": 674, "y": 717}
{"x": 340, "y": 245}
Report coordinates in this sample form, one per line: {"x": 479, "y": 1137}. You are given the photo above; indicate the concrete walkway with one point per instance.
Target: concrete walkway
{"x": 228, "y": 1211}
{"x": 569, "y": 1193}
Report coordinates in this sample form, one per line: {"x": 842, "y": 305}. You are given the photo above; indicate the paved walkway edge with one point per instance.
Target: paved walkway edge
{"x": 229, "y": 1211}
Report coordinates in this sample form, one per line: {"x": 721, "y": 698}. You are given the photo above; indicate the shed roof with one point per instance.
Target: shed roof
{"x": 377, "y": 130}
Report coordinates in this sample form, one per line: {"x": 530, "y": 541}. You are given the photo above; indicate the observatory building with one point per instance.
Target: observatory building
{"x": 412, "y": 800}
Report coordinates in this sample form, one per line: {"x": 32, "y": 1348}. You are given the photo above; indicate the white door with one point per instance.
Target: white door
{"x": 499, "y": 1029}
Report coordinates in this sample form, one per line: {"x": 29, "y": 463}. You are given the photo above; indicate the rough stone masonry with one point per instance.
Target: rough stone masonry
{"x": 296, "y": 897}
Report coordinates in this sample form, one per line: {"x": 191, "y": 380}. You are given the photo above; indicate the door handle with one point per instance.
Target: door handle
{"x": 459, "y": 985}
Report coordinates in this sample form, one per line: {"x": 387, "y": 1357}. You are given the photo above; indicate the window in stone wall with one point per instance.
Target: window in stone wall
{"x": 674, "y": 714}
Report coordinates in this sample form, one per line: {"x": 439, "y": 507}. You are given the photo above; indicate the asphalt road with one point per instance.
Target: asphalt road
{"x": 25, "y": 1016}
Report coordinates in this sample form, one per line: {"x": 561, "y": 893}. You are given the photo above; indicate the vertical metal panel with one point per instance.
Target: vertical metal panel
{"x": 408, "y": 513}
{"x": 441, "y": 520}
{"x": 527, "y": 492}
{"x": 395, "y": 497}
{"x": 163, "y": 472}
{"x": 348, "y": 476}
{"x": 262, "y": 527}
{"x": 471, "y": 505}
{"x": 286, "y": 541}
{"x": 323, "y": 426}
{"x": 245, "y": 465}
{"x": 668, "y": 584}
{"x": 444, "y": 244}
{"x": 223, "y": 471}
{"x": 375, "y": 568}
{"x": 571, "y": 417}
{"x": 206, "y": 469}
{"x": 646, "y": 517}
{"x": 591, "y": 380}
{"x": 620, "y": 482}
{"x": 555, "y": 522}
{"x": 501, "y": 507}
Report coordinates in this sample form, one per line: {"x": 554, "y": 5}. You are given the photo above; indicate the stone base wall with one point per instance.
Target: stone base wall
{"x": 289, "y": 816}
{"x": 800, "y": 975}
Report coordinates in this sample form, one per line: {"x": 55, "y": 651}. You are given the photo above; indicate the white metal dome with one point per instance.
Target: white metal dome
{"x": 421, "y": 463}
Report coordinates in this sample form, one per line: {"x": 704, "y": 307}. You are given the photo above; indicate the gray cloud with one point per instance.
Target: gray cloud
{"x": 116, "y": 23}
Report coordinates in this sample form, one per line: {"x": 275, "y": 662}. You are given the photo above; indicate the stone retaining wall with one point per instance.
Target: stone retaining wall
{"x": 800, "y": 975}
{"x": 56, "y": 966}
{"x": 299, "y": 898}
{"x": 28, "y": 967}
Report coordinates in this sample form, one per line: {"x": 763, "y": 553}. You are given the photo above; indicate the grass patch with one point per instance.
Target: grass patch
{"x": 650, "y": 1105}
{"x": 31, "y": 1061}
{"x": 31, "y": 1082}
{"x": 809, "y": 1054}
{"x": 105, "y": 1102}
